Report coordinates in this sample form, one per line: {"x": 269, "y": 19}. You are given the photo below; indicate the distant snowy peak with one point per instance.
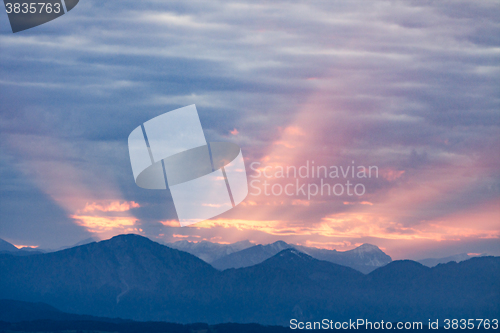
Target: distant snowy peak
{"x": 293, "y": 253}
{"x": 365, "y": 258}
{"x": 371, "y": 255}
{"x": 290, "y": 255}
{"x": 208, "y": 251}
{"x": 278, "y": 246}
{"x": 431, "y": 262}
{"x": 367, "y": 248}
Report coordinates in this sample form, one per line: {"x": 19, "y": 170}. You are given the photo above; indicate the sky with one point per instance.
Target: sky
{"x": 410, "y": 88}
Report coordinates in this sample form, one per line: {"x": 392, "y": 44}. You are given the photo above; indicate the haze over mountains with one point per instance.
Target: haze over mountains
{"x": 431, "y": 262}
{"x": 8, "y": 247}
{"x": 364, "y": 258}
{"x": 132, "y": 277}
{"x": 251, "y": 256}
{"x": 208, "y": 251}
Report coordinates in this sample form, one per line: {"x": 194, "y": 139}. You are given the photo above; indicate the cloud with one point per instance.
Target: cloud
{"x": 113, "y": 206}
{"x": 408, "y": 86}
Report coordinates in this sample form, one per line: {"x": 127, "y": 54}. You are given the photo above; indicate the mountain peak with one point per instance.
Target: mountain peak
{"x": 129, "y": 238}
{"x": 208, "y": 251}
{"x": 293, "y": 254}
{"x": 288, "y": 258}
{"x": 401, "y": 268}
{"x": 125, "y": 241}
{"x": 6, "y": 246}
{"x": 278, "y": 246}
{"x": 245, "y": 242}
{"x": 367, "y": 248}
{"x": 370, "y": 255}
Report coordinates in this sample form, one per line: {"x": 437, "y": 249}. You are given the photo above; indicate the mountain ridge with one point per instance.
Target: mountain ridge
{"x": 364, "y": 258}
{"x": 208, "y": 251}
{"x": 250, "y": 256}
{"x": 6, "y": 246}
{"x": 431, "y": 262}
{"x": 132, "y": 277}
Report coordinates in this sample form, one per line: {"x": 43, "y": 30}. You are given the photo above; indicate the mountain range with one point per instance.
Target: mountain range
{"x": 431, "y": 262}
{"x": 208, "y": 251}
{"x": 23, "y": 251}
{"x": 132, "y": 277}
{"x": 18, "y": 316}
{"x": 364, "y": 258}
{"x": 19, "y": 311}
{"x": 250, "y": 256}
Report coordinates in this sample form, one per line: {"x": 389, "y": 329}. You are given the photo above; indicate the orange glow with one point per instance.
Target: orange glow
{"x": 171, "y": 223}
{"x": 29, "y": 246}
{"x": 294, "y": 131}
{"x": 412, "y": 206}
{"x": 99, "y": 224}
{"x": 181, "y": 236}
{"x": 329, "y": 245}
{"x": 270, "y": 227}
{"x": 113, "y": 206}
{"x": 248, "y": 203}
{"x": 353, "y": 226}
{"x": 73, "y": 188}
